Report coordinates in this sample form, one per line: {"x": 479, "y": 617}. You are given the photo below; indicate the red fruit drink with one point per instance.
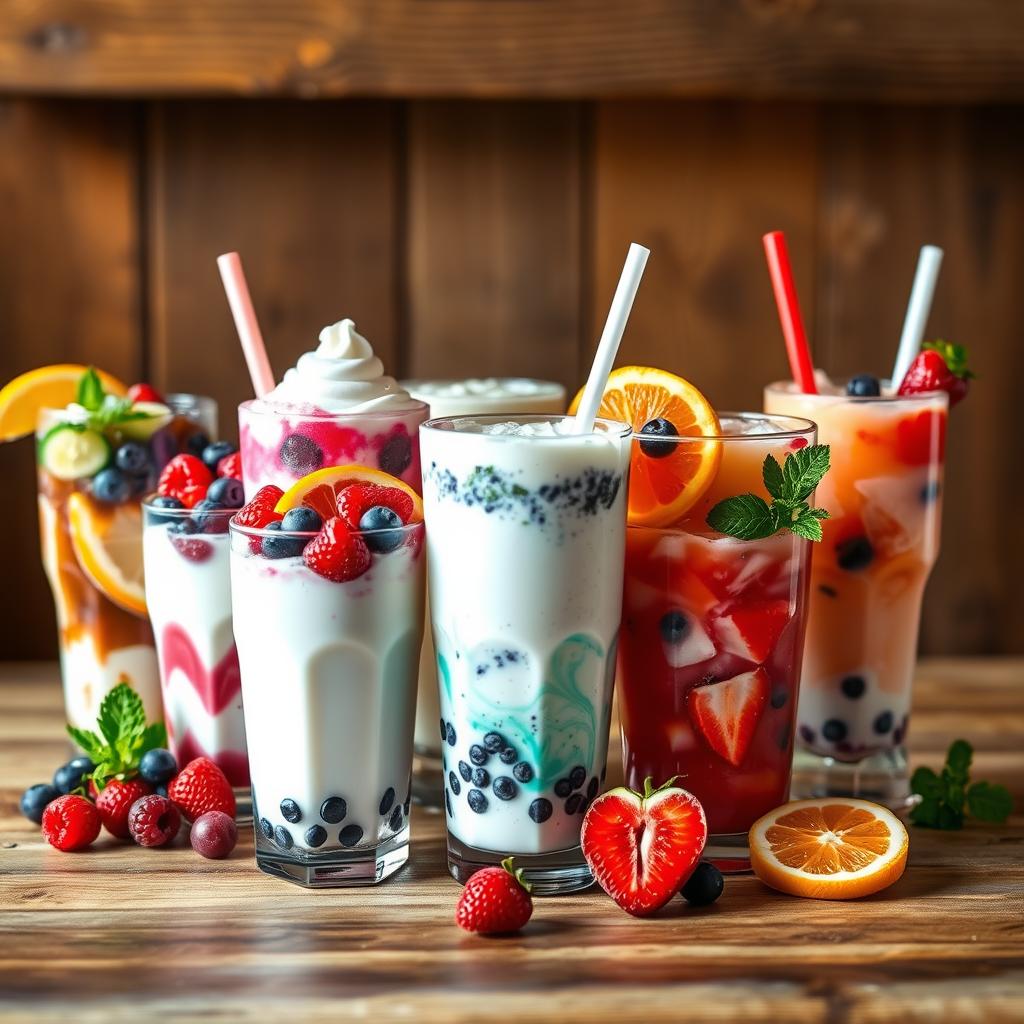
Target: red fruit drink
{"x": 712, "y": 637}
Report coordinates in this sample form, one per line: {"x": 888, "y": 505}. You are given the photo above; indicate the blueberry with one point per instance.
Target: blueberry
{"x": 283, "y": 837}
{"x": 806, "y": 734}
{"x": 111, "y": 485}
{"x": 883, "y": 723}
{"x": 132, "y": 458}
{"x": 930, "y": 492}
{"x": 69, "y": 776}
{"x": 450, "y": 735}
{"x": 395, "y": 821}
{"x": 779, "y": 698}
{"x": 504, "y": 788}
{"x": 316, "y": 835}
{"x": 386, "y": 801}
{"x": 855, "y": 553}
{"x": 578, "y": 776}
{"x": 396, "y": 455}
{"x": 333, "y": 810}
{"x": 196, "y": 445}
{"x": 674, "y": 626}
{"x": 863, "y": 386}
{"x": 157, "y": 765}
{"x": 660, "y": 427}
{"x": 834, "y": 730}
{"x": 290, "y": 811}
{"x": 572, "y": 805}
{"x": 494, "y": 741}
{"x": 540, "y": 810}
{"x": 281, "y": 547}
{"x": 209, "y": 517}
{"x": 228, "y": 493}
{"x": 509, "y": 755}
{"x": 563, "y": 787}
{"x": 213, "y": 453}
{"x": 266, "y": 828}
{"x": 593, "y": 788}
{"x": 704, "y": 886}
{"x": 350, "y": 835}
{"x": 35, "y": 798}
{"x": 478, "y": 755}
{"x": 160, "y": 790}
{"x": 388, "y": 522}
{"x": 477, "y": 801}
{"x": 522, "y": 772}
{"x": 481, "y": 778}
{"x": 448, "y": 804}
{"x": 453, "y": 781}
{"x": 301, "y": 520}
{"x": 465, "y": 771}
{"x": 167, "y": 502}
{"x": 853, "y": 687}
{"x": 300, "y": 454}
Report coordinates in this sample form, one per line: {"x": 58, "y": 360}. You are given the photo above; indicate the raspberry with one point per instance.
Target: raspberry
{"x": 336, "y": 554}
{"x": 70, "y": 823}
{"x": 355, "y": 499}
{"x": 145, "y": 393}
{"x": 153, "y": 820}
{"x": 183, "y": 478}
{"x": 213, "y": 835}
{"x": 201, "y": 786}
{"x": 231, "y": 466}
{"x": 114, "y": 802}
{"x": 495, "y": 900}
{"x": 259, "y": 513}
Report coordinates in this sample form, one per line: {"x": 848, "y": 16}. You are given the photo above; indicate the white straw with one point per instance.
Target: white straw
{"x": 918, "y": 308}
{"x": 608, "y": 346}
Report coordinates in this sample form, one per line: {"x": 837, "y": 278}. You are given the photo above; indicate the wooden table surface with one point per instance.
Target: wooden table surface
{"x": 120, "y": 932}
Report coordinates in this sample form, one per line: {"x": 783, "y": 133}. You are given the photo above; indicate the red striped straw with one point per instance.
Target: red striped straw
{"x": 789, "y": 312}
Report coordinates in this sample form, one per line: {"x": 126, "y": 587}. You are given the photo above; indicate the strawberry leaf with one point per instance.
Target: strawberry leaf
{"x": 954, "y": 356}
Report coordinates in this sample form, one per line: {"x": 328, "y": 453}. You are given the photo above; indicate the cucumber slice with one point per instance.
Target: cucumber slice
{"x": 70, "y": 451}
{"x": 149, "y": 418}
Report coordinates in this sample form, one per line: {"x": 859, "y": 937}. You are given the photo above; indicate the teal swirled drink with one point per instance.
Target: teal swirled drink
{"x": 525, "y": 545}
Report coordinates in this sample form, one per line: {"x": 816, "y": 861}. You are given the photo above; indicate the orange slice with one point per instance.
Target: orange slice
{"x": 107, "y": 541}
{"x": 829, "y": 849}
{"x": 49, "y": 387}
{"x": 319, "y": 491}
{"x": 661, "y": 490}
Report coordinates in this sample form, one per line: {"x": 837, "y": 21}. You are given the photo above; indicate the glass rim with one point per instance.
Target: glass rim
{"x": 261, "y": 532}
{"x": 441, "y": 424}
{"x": 801, "y": 427}
{"x": 785, "y": 388}
{"x": 182, "y": 513}
{"x": 259, "y": 407}
{"x": 549, "y": 387}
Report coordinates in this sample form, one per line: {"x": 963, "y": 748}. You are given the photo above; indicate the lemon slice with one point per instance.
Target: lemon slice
{"x": 107, "y": 542}
{"x": 319, "y": 490}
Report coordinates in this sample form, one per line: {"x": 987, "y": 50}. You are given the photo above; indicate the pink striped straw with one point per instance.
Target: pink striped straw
{"x": 255, "y": 352}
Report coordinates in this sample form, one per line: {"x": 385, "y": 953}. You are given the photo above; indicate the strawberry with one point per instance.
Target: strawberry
{"x": 260, "y": 511}
{"x": 70, "y": 822}
{"x": 642, "y": 847}
{"x": 231, "y": 466}
{"x": 494, "y": 901}
{"x": 183, "y": 478}
{"x": 355, "y": 499}
{"x": 336, "y": 553}
{"x": 145, "y": 393}
{"x": 752, "y": 629}
{"x": 114, "y": 802}
{"x": 726, "y": 713}
{"x": 199, "y": 787}
{"x": 940, "y": 366}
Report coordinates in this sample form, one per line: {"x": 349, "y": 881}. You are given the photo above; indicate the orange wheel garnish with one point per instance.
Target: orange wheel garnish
{"x": 662, "y": 490}
{"x": 319, "y": 491}
{"x": 829, "y": 849}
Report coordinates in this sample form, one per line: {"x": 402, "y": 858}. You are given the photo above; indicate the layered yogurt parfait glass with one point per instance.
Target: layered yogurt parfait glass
{"x": 487, "y": 396}
{"x": 327, "y": 589}
{"x": 525, "y": 539}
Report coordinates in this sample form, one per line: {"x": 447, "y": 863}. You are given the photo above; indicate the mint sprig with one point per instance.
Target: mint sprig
{"x": 122, "y": 737}
{"x": 90, "y": 392}
{"x": 750, "y": 517}
{"x": 949, "y": 796}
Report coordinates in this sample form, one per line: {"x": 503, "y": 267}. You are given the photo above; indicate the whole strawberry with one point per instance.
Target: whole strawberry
{"x": 940, "y": 366}
{"x": 495, "y": 900}
{"x": 336, "y": 553}
{"x": 70, "y": 823}
{"x": 199, "y": 787}
{"x": 114, "y": 802}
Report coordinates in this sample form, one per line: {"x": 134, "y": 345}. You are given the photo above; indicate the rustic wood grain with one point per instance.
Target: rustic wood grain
{"x": 120, "y": 933}
{"x": 920, "y": 49}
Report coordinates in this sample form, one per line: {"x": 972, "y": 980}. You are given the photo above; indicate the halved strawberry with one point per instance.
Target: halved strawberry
{"x": 751, "y": 630}
{"x": 727, "y": 713}
{"x": 355, "y": 499}
{"x": 643, "y": 847}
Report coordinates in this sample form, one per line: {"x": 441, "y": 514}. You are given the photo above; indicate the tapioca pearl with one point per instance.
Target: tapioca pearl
{"x": 387, "y": 800}
{"x": 900, "y": 732}
{"x": 883, "y": 723}
{"x": 444, "y": 730}
{"x": 572, "y": 805}
{"x": 674, "y": 626}
{"x": 577, "y": 776}
{"x": 522, "y": 772}
{"x": 853, "y": 687}
{"x": 333, "y": 810}
{"x": 454, "y": 784}
{"x": 396, "y": 455}
{"x": 478, "y": 755}
{"x": 481, "y": 778}
{"x": 316, "y": 835}
{"x": 300, "y": 454}
{"x": 290, "y": 811}
{"x": 350, "y": 835}
{"x": 450, "y": 735}
{"x": 779, "y": 698}
{"x": 509, "y": 755}
{"x": 494, "y": 741}
{"x": 408, "y": 798}
{"x": 604, "y": 771}
{"x": 477, "y": 801}
{"x": 395, "y": 821}
{"x": 854, "y": 554}
{"x": 540, "y": 810}
{"x": 266, "y": 828}
{"x": 807, "y": 734}
{"x": 465, "y": 771}
{"x": 593, "y": 788}
{"x": 563, "y": 787}
{"x": 785, "y": 736}
{"x": 504, "y": 788}
{"x": 448, "y": 804}
{"x": 834, "y": 730}
{"x": 283, "y": 837}
{"x": 828, "y": 591}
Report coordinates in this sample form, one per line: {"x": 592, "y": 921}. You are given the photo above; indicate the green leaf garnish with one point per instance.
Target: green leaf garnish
{"x": 946, "y": 798}
{"x": 90, "y": 391}
{"x": 750, "y": 517}
{"x": 954, "y": 356}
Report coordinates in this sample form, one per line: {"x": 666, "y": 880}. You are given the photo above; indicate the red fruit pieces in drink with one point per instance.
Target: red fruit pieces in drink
{"x": 751, "y": 629}
{"x": 186, "y": 478}
{"x": 200, "y": 787}
{"x": 70, "y": 822}
{"x": 114, "y": 802}
{"x": 195, "y": 549}
{"x": 145, "y": 393}
{"x": 355, "y": 499}
{"x": 940, "y": 367}
{"x": 494, "y": 901}
{"x": 643, "y": 847}
{"x": 231, "y": 466}
{"x": 153, "y": 820}
{"x": 921, "y": 437}
{"x": 336, "y": 553}
{"x": 726, "y": 713}
{"x": 260, "y": 510}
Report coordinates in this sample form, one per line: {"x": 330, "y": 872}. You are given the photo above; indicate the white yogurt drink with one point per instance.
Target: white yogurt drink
{"x": 476, "y": 395}
{"x": 525, "y": 538}
{"x": 329, "y": 686}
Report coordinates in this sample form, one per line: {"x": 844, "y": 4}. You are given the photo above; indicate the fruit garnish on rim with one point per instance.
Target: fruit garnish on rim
{"x": 940, "y": 366}
{"x": 642, "y": 847}
{"x": 750, "y": 517}
{"x": 666, "y": 478}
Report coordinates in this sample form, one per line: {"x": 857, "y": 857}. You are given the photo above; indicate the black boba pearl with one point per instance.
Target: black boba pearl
{"x": 301, "y": 454}
{"x": 481, "y": 778}
{"x": 660, "y": 427}
{"x": 453, "y": 781}
{"x": 704, "y": 886}
{"x": 465, "y": 771}
{"x": 674, "y": 626}
{"x": 855, "y": 553}
{"x": 478, "y": 755}
{"x": 350, "y": 835}
{"x": 578, "y": 776}
{"x": 593, "y": 788}
{"x": 316, "y": 835}
{"x": 779, "y": 698}
{"x": 477, "y": 801}
{"x": 604, "y": 771}
{"x": 283, "y": 837}
{"x": 540, "y": 810}
{"x": 395, "y": 821}
{"x": 784, "y": 737}
{"x": 509, "y": 755}
{"x": 522, "y": 772}
{"x": 883, "y": 723}
{"x": 563, "y": 787}
{"x": 444, "y": 730}
{"x": 290, "y": 811}
{"x": 834, "y": 730}
{"x": 450, "y": 735}
{"x": 493, "y": 742}
{"x": 266, "y": 828}
{"x": 806, "y": 734}
{"x": 387, "y": 800}
{"x": 853, "y": 687}
{"x": 504, "y": 788}
{"x": 572, "y": 805}
{"x": 448, "y": 804}
{"x": 396, "y": 455}
{"x": 333, "y": 810}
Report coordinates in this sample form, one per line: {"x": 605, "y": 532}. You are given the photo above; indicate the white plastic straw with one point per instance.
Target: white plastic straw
{"x": 608, "y": 346}
{"x": 920, "y": 305}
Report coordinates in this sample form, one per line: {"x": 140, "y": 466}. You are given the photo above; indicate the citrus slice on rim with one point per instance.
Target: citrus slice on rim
{"x": 107, "y": 541}
{"x": 48, "y": 387}
{"x": 320, "y": 490}
{"x": 662, "y": 489}
{"x": 829, "y": 849}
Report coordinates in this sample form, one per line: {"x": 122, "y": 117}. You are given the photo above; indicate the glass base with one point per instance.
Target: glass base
{"x": 882, "y": 777}
{"x": 243, "y": 805}
{"x": 427, "y": 778}
{"x": 729, "y": 853}
{"x": 550, "y": 874}
{"x": 334, "y": 869}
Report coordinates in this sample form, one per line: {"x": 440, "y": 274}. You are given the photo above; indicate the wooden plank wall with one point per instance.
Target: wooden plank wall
{"x": 485, "y": 237}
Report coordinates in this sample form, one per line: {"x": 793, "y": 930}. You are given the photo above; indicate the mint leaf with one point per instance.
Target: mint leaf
{"x": 89, "y": 393}
{"x": 926, "y": 813}
{"x": 925, "y": 783}
{"x": 946, "y": 798}
{"x": 988, "y": 802}
{"x": 806, "y": 525}
{"x": 771, "y": 473}
{"x": 154, "y": 736}
{"x": 803, "y": 471}
{"x": 746, "y": 516}
{"x": 92, "y": 744}
{"x": 958, "y": 760}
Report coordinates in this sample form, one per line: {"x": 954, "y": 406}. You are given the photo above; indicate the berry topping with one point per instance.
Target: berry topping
{"x": 132, "y": 458}
{"x": 70, "y": 822}
{"x": 642, "y": 847}
{"x": 396, "y": 455}
{"x": 213, "y": 454}
{"x": 209, "y": 516}
{"x": 941, "y": 366}
{"x": 704, "y": 886}
{"x": 356, "y": 499}
{"x": 35, "y": 800}
{"x": 231, "y": 466}
{"x": 214, "y": 835}
{"x": 153, "y": 820}
{"x": 69, "y": 776}
{"x": 301, "y": 454}
{"x": 227, "y": 492}
{"x": 201, "y": 786}
{"x": 336, "y": 553}
{"x": 157, "y": 766}
{"x": 260, "y": 511}
{"x": 114, "y": 802}
{"x": 281, "y": 547}
{"x": 726, "y": 713}
{"x": 659, "y": 427}
{"x": 145, "y": 393}
{"x": 184, "y": 477}
{"x": 301, "y": 520}
{"x": 863, "y": 386}
{"x": 111, "y": 486}
{"x": 494, "y": 901}
{"x": 388, "y": 522}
